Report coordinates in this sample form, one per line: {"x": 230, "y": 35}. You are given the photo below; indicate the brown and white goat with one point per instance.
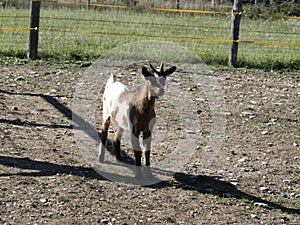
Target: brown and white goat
{"x": 132, "y": 111}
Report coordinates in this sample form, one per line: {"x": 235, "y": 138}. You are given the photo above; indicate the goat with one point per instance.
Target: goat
{"x": 132, "y": 111}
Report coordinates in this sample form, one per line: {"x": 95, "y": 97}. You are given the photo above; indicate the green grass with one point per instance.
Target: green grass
{"x": 84, "y": 35}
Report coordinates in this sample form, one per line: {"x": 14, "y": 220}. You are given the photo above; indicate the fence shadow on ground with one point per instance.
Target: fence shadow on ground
{"x": 212, "y": 185}
{"x": 201, "y": 183}
{"x": 52, "y": 100}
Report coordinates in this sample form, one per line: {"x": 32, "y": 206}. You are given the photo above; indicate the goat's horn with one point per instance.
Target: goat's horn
{"x": 161, "y": 68}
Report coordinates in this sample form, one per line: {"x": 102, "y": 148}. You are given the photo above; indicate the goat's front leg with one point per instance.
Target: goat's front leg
{"x": 117, "y": 143}
{"x": 147, "y": 147}
{"x": 137, "y": 152}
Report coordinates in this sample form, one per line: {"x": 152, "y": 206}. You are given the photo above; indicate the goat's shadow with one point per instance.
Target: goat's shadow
{"x": 201, "y": 183}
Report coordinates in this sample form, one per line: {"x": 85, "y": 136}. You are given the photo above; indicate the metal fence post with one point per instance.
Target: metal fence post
{"x": 235, "y": 29}
{"x": 34, "y": 29}
{"x": 177, "y": 4}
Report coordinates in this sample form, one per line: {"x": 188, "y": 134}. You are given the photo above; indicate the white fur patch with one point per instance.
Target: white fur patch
{"x": 158, "y": 80}
{"x": 111, "y": 104}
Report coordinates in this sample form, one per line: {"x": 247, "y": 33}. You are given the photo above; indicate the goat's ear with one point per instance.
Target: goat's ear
{"x": 145, "y": 72}
{"x": 152, "y": 68}
{"x": 169, "y": 71}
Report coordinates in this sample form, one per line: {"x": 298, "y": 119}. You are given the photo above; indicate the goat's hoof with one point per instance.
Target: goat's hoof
{"x": 119, "y": 158}
{"x": 101, "y": 158}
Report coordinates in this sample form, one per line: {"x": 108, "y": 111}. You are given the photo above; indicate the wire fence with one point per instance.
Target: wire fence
{"x": 77, "y": 30}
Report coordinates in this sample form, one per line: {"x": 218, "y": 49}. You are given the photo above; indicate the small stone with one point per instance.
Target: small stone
{"x": 234, "y": 183}
{"x": 160, "y": 128}
{"x": 248, "y": 114}
{"x": 263, "y": 188}
{"x": 105, "y": 221}
{"x": 264, "y": 132}
{"x": 244, "y": 159}
{"x": 254, "y": 216}
{"x": 14, "y": 108}
{"x": 43, "y": 200}
{"x": 260, "y": 204}
{"x": 295, "y": 144}
{"x": 190, "y": 131}
{"x": 20, "y": 78}
{"x": 207, "y": 149}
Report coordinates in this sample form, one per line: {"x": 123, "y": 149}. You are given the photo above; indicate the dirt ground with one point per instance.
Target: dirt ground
{"x": 254, "y": 178}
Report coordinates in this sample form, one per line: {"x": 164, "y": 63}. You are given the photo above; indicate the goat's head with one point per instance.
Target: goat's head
{"x": 156, "y": 79}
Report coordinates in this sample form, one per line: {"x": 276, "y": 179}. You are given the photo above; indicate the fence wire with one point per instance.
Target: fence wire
{"x": 72, "y": 29}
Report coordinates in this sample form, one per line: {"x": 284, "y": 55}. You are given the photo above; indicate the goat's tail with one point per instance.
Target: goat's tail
{"x": 109, "y": 81}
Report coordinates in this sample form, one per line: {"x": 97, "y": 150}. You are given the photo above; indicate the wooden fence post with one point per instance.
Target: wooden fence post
{"x": 34, "y": 29}
{"x": 235, "y": 29}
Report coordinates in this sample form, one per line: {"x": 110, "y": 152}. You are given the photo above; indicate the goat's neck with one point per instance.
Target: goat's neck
{"x": 146, "y": 102}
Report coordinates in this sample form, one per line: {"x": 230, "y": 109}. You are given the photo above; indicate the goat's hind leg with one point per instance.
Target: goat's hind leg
{"x": 102, "y": 144}
{"x": 137, "y": 153}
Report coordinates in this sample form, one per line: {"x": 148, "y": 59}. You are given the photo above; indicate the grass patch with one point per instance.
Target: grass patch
{"x": 84, "y": 35}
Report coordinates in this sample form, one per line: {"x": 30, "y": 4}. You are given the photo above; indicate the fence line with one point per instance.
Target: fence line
{"x": 87, "y": 32}
{"x": 144, "y": 23}
{"x": 171, "y": 9}
{"x": 59, "y": 2}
